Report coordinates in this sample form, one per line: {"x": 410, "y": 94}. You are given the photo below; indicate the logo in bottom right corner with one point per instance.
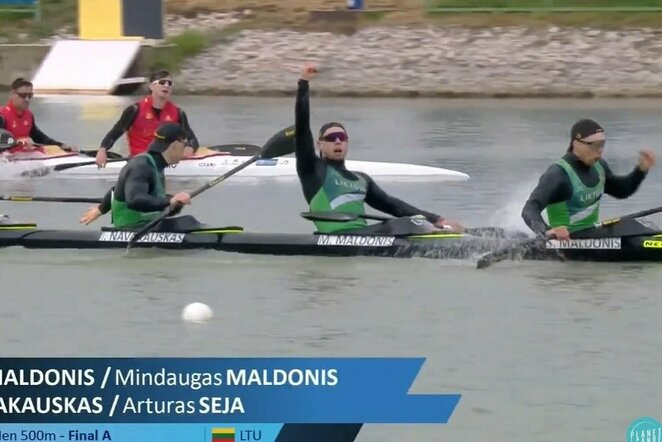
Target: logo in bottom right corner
{"x": 644, "y": 429}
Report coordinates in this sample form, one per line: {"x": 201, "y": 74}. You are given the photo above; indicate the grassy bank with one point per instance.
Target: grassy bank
{"x": 22, "y": 28}
{"x": 609, "y": 14}
{"x": 542, "y": 4}
{"x": 294, "y": 13}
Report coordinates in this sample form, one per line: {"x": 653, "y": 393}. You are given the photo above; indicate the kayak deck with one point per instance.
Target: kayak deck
{"x": 646, "y": 247}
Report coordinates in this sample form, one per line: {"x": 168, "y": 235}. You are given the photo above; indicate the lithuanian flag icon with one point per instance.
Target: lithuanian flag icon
{"x": 222, "y": 434}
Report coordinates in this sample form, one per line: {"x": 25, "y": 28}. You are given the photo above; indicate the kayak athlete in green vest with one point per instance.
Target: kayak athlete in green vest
{"x": 328, "y": 186}
{"x": 571, "y": 189}
{"x": 139, "y": 195}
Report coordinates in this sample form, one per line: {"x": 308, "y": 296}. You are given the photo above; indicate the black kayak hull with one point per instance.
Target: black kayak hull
{"x": 634, "y": 248}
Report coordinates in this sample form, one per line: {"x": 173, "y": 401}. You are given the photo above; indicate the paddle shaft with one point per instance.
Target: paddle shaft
{"x": 60, "y": 167}
{"x": 50, "y": 199}
{"x": 611, "y": 221}
{"x": 279, "y": 144}
{"x": 171, "y": 210}
{"x": 344, "y": 217}
{"x": 495, "y": 257}
{"x": 226, "y": 175}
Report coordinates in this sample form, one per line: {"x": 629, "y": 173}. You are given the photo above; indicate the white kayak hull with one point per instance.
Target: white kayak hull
{"x": 214, "y": 166}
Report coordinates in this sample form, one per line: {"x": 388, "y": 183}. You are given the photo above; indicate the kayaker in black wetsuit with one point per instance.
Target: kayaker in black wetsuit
{"x": 571, "y": 188}
{"x": 139, "y": 195}
{"x": 329, "y": 186}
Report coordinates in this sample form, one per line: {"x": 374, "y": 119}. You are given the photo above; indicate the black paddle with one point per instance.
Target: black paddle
{"x": 490, "y": 258}
{"x": 51, "y": 199}
{"x": 237, "y": 149}
{"x": 343, "y": 217}
{"x": 278, "y": 145}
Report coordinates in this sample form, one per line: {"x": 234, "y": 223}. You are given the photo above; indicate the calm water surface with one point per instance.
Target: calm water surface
{"x": 539, "y": 351}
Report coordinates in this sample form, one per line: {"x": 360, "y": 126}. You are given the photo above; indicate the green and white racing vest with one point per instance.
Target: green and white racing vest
{"x": 123, "y": 217}
{"x": 583, "y": 209}
{"x": 338, "y": 194}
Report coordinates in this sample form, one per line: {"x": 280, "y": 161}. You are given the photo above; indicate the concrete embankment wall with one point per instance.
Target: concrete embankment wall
{"x": 436, "y": 61}
{"x": 412, "y": 61}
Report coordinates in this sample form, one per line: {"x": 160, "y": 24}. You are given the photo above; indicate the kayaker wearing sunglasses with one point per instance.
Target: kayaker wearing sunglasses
{"x": 571, "y": 189}
{"x": 329, "y": 186}
{"x": 17, "y": 118}
{"x": 141, "y": 119}
{"x": 139, "y": 195}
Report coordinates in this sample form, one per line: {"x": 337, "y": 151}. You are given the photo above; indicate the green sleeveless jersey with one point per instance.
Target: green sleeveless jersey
{"x": 583, "y": 209}
{"x": 123, "y": 216}
{"x": 339, "y": 194}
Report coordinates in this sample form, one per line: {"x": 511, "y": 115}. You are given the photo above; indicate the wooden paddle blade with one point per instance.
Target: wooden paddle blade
{"x": 281, "y": 143}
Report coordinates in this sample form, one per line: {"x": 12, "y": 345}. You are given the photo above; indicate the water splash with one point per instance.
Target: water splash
{"x": 508, "y": 215}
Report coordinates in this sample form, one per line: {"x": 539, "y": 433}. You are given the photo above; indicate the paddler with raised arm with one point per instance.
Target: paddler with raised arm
{"x": 140, "y": 120}
{"x": 329, "y": 186}
{"x": 571, "y": 189}
{"x": 139, "y": 195}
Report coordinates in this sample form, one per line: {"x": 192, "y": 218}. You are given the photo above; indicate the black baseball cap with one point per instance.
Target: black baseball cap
{"x": 585, "y": 128}
{"x": 165, "y": 135}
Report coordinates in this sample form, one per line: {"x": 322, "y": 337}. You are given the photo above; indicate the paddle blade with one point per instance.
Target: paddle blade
{"x": 489, "y": 258}
{"x": 281, "y": 143}
{"x": 329, "y": 216}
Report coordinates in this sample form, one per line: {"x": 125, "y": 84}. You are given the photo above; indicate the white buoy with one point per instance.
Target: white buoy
{"x": 197, "y": 312}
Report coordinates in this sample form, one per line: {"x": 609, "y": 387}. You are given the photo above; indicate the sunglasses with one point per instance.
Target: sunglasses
{"x": 332, "y": 137}
{"x": 25, "y": 95}
{"x": 594, "y": 144}
{"x": 163, "y": 82}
